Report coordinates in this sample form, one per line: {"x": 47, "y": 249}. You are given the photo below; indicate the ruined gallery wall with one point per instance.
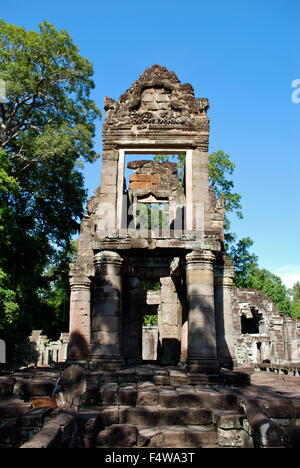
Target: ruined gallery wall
{"x": 262, "y": 333}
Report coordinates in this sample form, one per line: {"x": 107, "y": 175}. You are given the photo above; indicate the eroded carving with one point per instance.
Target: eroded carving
{"x": 157, "y": 97}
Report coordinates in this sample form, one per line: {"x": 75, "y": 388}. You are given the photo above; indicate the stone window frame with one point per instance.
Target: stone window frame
{"x": 122, "y": 152}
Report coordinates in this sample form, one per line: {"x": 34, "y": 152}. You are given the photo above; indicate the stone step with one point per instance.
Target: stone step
{"x": 13, "y": 408}
{"x": 128, "y": 435}
{"x": 177, "y": 436}
{"x": 227, "y": 419}
{"x": 147, "y": 394}
{"x": 148, "y": 416}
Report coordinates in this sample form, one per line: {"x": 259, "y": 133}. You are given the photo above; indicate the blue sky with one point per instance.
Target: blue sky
{"x": 242, "y": 55}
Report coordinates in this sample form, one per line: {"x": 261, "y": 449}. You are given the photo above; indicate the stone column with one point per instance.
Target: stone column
{"x": 290, "y": 342}
{"x": 169, "y": 324}
{"x": 132, "y": 323}
{"x": 223, "y": 309}
{"x": 202, "y": 349}
{"x": 80, "y": 316}
{"x": 106, "y": 311}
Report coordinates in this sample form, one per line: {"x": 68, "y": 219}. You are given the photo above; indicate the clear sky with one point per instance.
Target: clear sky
{"x": 241, "y": 54}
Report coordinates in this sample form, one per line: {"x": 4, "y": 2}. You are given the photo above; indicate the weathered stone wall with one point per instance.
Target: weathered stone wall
{"x": 272, "y": 336}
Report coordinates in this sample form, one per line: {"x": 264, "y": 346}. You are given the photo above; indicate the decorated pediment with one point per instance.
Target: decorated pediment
{"x": 157, "y": 97}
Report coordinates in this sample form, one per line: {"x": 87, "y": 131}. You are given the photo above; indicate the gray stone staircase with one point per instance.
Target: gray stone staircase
{"x": 150, "y": 415}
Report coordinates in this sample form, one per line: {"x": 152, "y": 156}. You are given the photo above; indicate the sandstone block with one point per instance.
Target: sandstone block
{"x": 209, "y": 399}
{"x": 108, "y": 393}
{"x": 199, "y": 436}
{"x": 127, "y": 396}
{"x": 139, "y": 416}
{"x": 122, "y": 435}
{"x": 13, "y": 408}
{"x": 150, "y": 437}
{"x": 108, "y": 416}
{"x": 168, "y": 398}
{"x": 34, "y": 417}
{"x": 148, "y": 397}
{"x": 228, "y": 419}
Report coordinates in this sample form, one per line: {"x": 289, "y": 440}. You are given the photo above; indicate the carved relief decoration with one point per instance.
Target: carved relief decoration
{"x": 157, "y": 98}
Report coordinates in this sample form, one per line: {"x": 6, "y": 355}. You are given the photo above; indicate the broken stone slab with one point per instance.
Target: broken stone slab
{"x": 34, "y": 417}
{"x": 57, "y": 433}
{"x": 70, "y": 388}
{"x": 87, "y": 425}
{"x": 265, "y": 432}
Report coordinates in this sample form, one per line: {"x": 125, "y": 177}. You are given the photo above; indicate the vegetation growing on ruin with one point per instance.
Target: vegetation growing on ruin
{"x": 46, "y": 130}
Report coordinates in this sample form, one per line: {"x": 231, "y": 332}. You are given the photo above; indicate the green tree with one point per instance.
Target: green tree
{"x": 47, "y": 130}
{"x": 295, "y": 303}
{"x": 220, "y": 170}
{"x": 271, "y": 286}
{"x": 244, "y": 261}
{"x": 295, "y": 292}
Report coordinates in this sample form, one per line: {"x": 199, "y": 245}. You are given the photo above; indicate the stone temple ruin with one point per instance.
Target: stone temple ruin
{"x": 152, "y": 245}
{"x": 182, "y": 249}
{"x": 155, "y": 226}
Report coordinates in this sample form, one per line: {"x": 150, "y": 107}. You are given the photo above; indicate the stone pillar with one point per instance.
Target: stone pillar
{"x": 202, "y": 349}
{"x": 106, "y": 311}
{"x": 80, "y": 316}
{"x": 169, "y": 324}
{"x": 132, "y": 323}
{"x": 106, "y": 214}
{"x": 223, "y": 310}
{"x": 290, "y": 342}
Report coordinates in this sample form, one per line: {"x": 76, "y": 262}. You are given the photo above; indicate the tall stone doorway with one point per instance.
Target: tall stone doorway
{"x": 152, "y": 312}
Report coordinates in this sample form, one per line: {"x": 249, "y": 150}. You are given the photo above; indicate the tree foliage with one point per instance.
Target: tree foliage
{"x": 47, "y": 125}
